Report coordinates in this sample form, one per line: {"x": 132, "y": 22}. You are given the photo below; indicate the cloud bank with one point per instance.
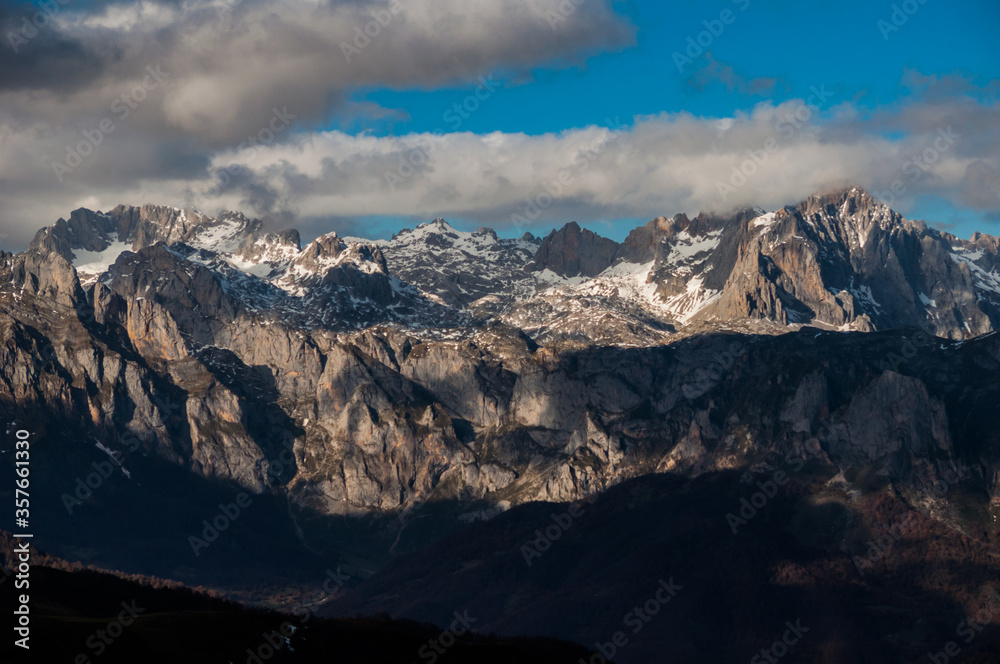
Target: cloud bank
{"x": 222, "y": 105}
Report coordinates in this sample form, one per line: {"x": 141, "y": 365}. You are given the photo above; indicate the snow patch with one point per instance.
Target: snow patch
{"x": 90, "y": 265}
{"x": 766, "y": 220}
{"x": 685, "y": 306}
{"x": 983, "y": 280}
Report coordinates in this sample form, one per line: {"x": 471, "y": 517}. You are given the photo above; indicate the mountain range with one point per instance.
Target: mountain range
{"x": 400, "y": 408}
{"x": 839, "y": 261}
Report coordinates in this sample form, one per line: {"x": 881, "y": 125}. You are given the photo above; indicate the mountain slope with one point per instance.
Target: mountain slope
{"x": 99, "y": 617}
{"x": 371, "y": 400}
{"x": 807, "y": 556}
{"x": 839, "y": 260}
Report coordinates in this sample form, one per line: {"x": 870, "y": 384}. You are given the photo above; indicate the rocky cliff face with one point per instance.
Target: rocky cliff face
{"x": 461, "y": 269}
{"x": 323, "y": 374}
{"x": 574, "y": 252}
{"x": 838, "y": 260}
{"x": 385, "y": 421}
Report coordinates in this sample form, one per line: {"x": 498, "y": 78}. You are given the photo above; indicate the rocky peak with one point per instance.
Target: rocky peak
{"x": 136, "y": 228}
{"x": 330, "y": 251}
{"x": 854, "y": 197}
{"x": 640, "y": 245}
{"x": 458, "y": 268}
{"x": 146, "y": 225}
{"x": 325, "y": 246}
{"x": 573, "y": 251}
{"x": 437, "y": 226}
{"x": 989, "y": 242}
{"x": 84, "y": 230}
{"x": 853, "y": 214}
{"x": 489, "y": 232}
{"x": 839, "y": 259}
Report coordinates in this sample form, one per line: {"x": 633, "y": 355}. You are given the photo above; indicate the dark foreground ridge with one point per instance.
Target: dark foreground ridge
{"x": 87, "y": 616}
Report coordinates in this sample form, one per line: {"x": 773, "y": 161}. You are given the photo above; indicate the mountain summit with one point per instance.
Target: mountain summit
{"x": 839, "y": 260}
{"x": 464, "y": 372}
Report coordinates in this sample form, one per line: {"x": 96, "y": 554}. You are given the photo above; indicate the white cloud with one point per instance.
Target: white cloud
{"x": 228, "y": 62}
{"x": 659, "y": 165}
{"x": 226, "y": 75}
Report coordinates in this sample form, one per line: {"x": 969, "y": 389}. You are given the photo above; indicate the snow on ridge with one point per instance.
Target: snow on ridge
{"x": 424, "y": 230}
{"x": 688, "y": 250}
{"x": 625, "y": 281}
{"x": 766, "y": 220}
{"x": 552, "y": 279}
{"x": 627, "y": 269}
{"x": 474, "y": 242}
{"x": 351, "y": 239}
{"x": 686, "y": 305}
{"x": 90, "y": 265}
{"x": 864, "y": 295}
{"x": 983, "y": 280}
{"x": 224, "y": 236}
{"x": 272, "y": 260}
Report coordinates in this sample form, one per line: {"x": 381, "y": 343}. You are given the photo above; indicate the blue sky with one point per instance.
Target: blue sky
{"x": 800, "y": 44}
{"x": 850, "y": 46}
{"x": 374, "y": 143}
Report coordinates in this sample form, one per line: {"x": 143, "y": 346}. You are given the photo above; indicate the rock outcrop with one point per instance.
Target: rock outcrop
{"x": 385, "y": 394}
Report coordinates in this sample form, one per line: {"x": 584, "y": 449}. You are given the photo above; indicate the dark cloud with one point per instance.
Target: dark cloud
{"x": 226, "y": 67}
{"x": 225, "y": 73}
{"x": 981, "y": 186}
{"x": 715, "y": 71}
